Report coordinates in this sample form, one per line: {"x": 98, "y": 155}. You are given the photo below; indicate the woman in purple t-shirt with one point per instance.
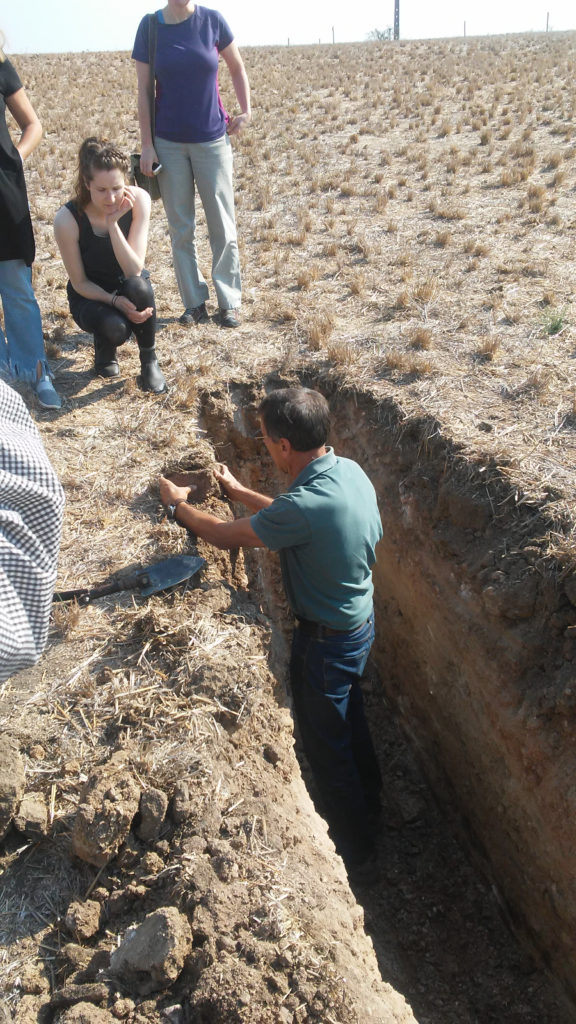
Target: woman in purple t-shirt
{"x": 192, "y": 145}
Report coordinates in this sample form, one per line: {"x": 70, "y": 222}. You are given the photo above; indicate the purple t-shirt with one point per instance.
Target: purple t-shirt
{"x": 188, "y": 104}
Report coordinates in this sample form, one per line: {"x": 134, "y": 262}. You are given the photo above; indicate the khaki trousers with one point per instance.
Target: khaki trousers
{"x": 206, "y": 167}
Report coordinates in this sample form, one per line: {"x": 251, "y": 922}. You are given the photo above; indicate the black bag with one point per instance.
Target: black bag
{"x": 142, "y": 180}
{"x": 136, "y": 176}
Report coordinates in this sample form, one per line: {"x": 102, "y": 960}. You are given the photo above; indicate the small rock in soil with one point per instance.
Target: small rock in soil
{"x": 153, "y": 806}
{"x": 75, "y": 955}
{"x": 83, "y": 919}
{"x": 97, "y": 992}
{"x": 150, "y": 865}
{"x": 123, "y": 1008}
{"x": 152, "y": 955}
{"x": 271, "y": 754}
{"x": 32, "y": 817}
{"x": 181, "y": 806}
{"x": 108, "y": 803}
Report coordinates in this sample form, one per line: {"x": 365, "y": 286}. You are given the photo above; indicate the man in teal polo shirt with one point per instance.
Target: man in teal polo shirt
{"x": 325, "y": 527}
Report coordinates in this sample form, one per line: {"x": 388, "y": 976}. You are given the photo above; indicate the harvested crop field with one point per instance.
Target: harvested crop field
{"x": 406, "y": 215}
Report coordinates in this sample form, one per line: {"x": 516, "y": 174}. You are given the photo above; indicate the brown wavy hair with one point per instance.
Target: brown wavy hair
{"x": 96, "y": 155}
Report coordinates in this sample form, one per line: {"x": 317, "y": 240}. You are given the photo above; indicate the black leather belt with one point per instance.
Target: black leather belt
{"x": 317, "y": 630}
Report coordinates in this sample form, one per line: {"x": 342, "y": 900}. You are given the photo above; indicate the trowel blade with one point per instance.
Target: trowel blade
{"x": 168, "y": 573}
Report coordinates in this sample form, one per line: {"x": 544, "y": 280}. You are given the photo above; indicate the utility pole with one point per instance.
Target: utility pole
{"x": 547, "y": 20}
{"x": 396, "y": 19}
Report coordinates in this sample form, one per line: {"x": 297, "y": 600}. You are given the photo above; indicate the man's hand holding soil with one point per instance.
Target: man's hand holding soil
{"x": 221, "y": 534}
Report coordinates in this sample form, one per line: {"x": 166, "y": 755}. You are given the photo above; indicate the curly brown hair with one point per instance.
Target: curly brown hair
{"x": 96, "y": 155}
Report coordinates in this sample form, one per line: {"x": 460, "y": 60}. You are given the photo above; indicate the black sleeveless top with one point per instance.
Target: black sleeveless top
{"x": 16, "y": 237}
{"x": 100, "y": 263}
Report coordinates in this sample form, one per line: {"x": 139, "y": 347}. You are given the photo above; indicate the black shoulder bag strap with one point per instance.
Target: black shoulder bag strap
{"x": 152, "y": 40}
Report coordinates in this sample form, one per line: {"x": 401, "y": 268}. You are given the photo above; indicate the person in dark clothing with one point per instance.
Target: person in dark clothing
{"x": 102, "y": 235}
{"x": 22, "y": 353}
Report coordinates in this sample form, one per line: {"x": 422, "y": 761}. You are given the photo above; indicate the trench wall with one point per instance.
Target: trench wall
{"x": 475, "y": 646}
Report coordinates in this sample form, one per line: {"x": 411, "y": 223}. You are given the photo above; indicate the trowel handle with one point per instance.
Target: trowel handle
{"x": 84, "y": 596}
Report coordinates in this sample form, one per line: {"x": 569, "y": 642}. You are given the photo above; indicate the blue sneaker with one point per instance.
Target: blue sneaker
{"x": 47, "y": 397}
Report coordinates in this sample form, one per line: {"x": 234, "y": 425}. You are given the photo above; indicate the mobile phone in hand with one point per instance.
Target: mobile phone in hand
{"x": 156, "y": 168}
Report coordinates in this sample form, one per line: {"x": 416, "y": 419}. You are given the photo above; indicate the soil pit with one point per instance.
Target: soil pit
{"x": 471, "y": 686}
{"x": 157, "y": 736}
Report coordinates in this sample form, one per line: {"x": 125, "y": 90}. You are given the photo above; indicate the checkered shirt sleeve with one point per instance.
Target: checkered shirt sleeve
{"x": 31, "y": 506}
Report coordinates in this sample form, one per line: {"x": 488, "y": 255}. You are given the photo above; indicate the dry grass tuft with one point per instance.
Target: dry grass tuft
{"x": 407, "y": 364}
{"x": 489, "y": 349}
{"x": 187, "y": 395}
{"x": 442, "y": 239}
{"x": 318, "y": 329}
{"x": 536, "y": 385}
{"x": 66, "y": 617}
{"x": 342, "y": 354}
{"x": 283, "y": 312}
{"x": 357, "y": 283}
{"x": 421, "y": 338}
{"x": 307, "y": 276}
{"x": 425, "y": 291}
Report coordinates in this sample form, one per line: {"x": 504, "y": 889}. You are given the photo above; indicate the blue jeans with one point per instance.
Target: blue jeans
{"x": 325, "y": 681}
{"x": 21, "y": 342}
{"x": 206, "y": 166}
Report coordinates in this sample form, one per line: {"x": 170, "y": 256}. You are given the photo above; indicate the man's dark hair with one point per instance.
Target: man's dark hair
{"x": 300, "y": 415}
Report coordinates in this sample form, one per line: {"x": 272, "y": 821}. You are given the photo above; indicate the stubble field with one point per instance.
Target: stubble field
{"x": 406, "y": 217}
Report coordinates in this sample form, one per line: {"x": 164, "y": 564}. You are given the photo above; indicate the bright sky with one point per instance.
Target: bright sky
{"x": 54, "y": 26}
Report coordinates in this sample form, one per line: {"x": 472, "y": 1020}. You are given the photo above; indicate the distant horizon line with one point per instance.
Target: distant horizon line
{"x": 343, "y": 42}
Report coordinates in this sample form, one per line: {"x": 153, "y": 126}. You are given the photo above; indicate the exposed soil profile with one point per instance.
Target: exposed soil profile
{"x": 159, "y": 742}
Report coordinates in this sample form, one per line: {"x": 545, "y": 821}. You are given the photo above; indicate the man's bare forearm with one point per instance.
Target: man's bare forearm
{"x": 221, "y": 534}
{"x": 236, "y": 491}
{"x": 252, "y": 499}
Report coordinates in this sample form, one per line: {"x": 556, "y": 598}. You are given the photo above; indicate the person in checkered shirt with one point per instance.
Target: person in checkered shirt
{"x": 31, "y": 507}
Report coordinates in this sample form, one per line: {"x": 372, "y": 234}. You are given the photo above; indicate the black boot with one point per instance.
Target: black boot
{"x": 105, "y": 362}
{"x": 151, "y": 377}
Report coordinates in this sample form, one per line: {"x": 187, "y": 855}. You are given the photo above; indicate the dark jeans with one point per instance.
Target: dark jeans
{"x": 325, "y": 679}
{"x": 108, "y": 325}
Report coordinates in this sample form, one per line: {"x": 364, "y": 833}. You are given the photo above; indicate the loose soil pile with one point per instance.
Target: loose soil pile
{"x": 154, "y": 741}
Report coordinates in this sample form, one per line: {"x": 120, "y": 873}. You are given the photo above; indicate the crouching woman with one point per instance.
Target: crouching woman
{"x": 102, "y": 235}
